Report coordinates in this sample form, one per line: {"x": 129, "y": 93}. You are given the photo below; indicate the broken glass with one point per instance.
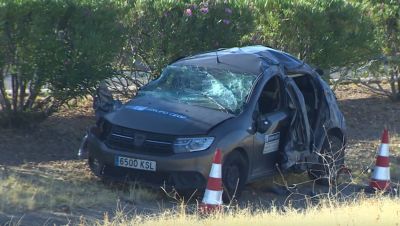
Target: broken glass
{"x": 206, "y": 87}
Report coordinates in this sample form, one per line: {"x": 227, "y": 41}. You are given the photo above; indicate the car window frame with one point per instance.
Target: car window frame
{"x": 282, "y": 103}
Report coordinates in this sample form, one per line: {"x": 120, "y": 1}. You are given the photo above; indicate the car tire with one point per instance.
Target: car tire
{"x": 234, "y": 176}
{"x": 330, "y": 160}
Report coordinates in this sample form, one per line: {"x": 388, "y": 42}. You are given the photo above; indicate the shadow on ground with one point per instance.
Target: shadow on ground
{"x": 57, "y": 138}
{"x": 55, "y": 142}
{"x": 367, "y": 117}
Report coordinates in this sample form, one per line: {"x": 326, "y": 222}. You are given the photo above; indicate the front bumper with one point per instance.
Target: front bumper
{"x": 187, "y": 171}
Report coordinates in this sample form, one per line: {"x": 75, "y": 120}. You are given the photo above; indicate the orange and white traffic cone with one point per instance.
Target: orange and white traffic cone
{"x": 380, "y": 179}
{"x": 212, "y": 200}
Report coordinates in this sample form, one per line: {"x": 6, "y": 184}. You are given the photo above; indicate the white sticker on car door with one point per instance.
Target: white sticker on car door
{"x": 271, "y": 143}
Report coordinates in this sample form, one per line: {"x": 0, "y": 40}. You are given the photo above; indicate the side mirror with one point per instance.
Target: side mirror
{"x": 253, "y": 128}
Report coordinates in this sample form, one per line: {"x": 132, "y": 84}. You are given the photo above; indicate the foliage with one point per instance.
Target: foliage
{"x": 63, "y": 46}
{"x": 53, "y": 51}
{"x": 165, "y": 30}
{"x": 324, "y": 33}
{"x": 386, "y": 17}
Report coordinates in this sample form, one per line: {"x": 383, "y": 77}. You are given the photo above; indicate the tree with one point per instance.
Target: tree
{"x": 53, "y": 51}
{"x": 327, "y": 34}
{"x": 386, "y": 17}
{"x": 162, "y": 31}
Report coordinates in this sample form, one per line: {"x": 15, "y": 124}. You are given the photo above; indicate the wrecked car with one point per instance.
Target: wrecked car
{"x": 264, "y": 109}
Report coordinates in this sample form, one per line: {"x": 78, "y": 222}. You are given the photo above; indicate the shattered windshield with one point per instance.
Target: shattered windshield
{"x": 218, "y": 89}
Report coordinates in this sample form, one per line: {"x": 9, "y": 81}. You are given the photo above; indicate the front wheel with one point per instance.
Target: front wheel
{"x": 330, "y": 161}
{"x": 234, "y": 175}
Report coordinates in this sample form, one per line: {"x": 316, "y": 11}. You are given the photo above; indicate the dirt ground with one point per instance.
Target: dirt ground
{"x": 55, "y": 143}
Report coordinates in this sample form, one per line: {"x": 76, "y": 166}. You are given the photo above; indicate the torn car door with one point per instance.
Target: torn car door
{"x": 297, "y": 146}
{"x": 329, "y": 114}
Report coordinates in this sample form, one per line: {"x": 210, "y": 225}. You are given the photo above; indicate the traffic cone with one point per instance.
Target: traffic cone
{"x": 212, "y": 199}
{"x": 380, "y": 179}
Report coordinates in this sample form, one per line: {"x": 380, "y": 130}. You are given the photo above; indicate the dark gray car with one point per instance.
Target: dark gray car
{"x": 265, "y": 110}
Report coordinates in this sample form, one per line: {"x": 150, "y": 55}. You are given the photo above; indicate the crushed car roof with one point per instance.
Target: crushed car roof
{"x": 249, "y": 59}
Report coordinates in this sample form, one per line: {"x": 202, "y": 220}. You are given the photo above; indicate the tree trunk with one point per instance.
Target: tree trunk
{"x": 14, "y": 84}
{"x": 22, "y": 95}
{"x": 34, "y": 90}
{"x": 2, "y": 98}
{"x": 392, "y": 83}
{"x": 6, "y": 105}
{"x": 397, "y": 69}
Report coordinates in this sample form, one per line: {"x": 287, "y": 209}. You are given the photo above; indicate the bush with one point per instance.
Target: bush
{"x": 68, "y": 46}
{"x": 163, "y": 30}
{"x": 63, "y": 46}
{"x": 323, "y": 33}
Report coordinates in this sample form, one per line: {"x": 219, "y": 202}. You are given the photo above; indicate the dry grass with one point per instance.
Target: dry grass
{"x": 53, "y": 182}
{"x": 364, "y": 211}
{"x": 62, "y": 186}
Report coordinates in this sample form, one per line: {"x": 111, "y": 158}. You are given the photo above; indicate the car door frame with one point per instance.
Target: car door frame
{"x": 329, "y": 115}
{"x": 260, "y": 168}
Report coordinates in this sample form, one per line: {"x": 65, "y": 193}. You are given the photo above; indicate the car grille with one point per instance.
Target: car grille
{"x": 135, "y": 141}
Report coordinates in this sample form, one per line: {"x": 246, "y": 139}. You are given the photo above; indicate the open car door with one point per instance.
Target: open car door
{"x": 297, "y": 146}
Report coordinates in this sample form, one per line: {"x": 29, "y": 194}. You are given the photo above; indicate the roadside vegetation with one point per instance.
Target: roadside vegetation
{"x": 55, "y": 51}
{"x": 48, "y": 180}
{"x": 53, "y": 55}
{"x": 363, "y": 211}
{"x": 63, "y": 186}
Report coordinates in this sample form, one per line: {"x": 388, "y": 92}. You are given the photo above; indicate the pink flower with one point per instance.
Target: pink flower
{"x": 226, "y": 21}
{"x": 228, "y": 10}
{"x": 188, "y": 12}
{"x": 204, "y": 10}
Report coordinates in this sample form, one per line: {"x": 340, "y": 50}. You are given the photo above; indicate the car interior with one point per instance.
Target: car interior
{"x": 270, "y": 99}
{"x": 311, "y": 97}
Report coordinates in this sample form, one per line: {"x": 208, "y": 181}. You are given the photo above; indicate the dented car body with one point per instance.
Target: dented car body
{"x": 263, "y": 108}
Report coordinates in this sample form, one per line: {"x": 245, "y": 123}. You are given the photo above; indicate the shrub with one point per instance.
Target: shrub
{"x": 323, "y": 33}
{"x": 164, "y": 30}
{"x": 68, "y": 46}
{"x": 63, "y": 46}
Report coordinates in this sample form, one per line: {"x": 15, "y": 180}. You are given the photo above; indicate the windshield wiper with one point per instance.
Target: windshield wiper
{"x": 221, "y": 107}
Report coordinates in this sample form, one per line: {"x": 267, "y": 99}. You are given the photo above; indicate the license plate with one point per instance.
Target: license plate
{"x": 135, "y": 163}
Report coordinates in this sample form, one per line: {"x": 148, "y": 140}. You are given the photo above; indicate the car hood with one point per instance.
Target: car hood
{"x": 158, "y": 116}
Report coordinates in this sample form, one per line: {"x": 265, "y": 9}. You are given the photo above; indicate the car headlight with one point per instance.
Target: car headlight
{"x": 182, "y": 145}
